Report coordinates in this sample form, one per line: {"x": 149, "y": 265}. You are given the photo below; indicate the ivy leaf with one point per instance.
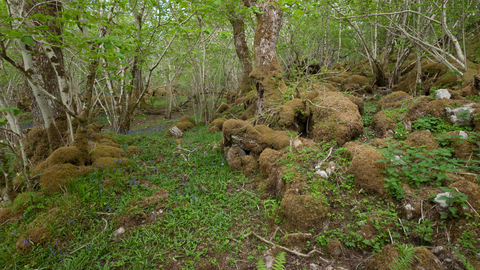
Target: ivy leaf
{"x": 27, "y": 40}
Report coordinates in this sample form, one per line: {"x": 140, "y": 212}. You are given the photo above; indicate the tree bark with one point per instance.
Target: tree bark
{"x": 243, "y": 53}
{"x": 267, "y": 73}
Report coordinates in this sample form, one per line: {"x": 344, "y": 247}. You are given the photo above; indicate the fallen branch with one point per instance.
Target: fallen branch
{"x": 12, "y": 219}
{"x": 289, "y": 250}
{"x": 106, "y": 225}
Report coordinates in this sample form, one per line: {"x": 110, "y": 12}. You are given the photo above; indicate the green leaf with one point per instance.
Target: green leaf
{"x": 27, "y": 40}
{"x": 3, "y": 121}
{"x": 108, "y": 45}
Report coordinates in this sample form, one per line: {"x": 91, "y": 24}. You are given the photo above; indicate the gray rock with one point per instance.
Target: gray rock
{"x": 463, "y": 134}
{"x": 119, "y": 232}
{"x": 314, "y": 267}
{"x": 462, "y": 115}
{"x": 437, "y": 249}
{"x": 409, "y": 210}
{"x": 176, "y": 132}
{"x": 322, "y": 173}
{"x": 441, "y": 203}
{"x": 442, "y": 93}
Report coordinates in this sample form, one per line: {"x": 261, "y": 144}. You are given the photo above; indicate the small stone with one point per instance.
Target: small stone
{"x": 176, "y": 132}
{"x": 442, "y": 94}
{"x": 119, "y": 232}
{"x": 463, "y": 134}
{"x": 322, "y": 173}
{"x": 314, "y": 267}
{"x": 437, "y": 249}
{"x": 442, "y": 205}
{"x": 409, "y": 210}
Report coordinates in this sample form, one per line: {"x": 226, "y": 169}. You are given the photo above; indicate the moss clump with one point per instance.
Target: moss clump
{"x": 334, "y": 249}
{"x": 267, "y": 160}
{"x": 58, "y": 175}
{"x": 37, "y": 147}
{"x": 234, "y": 157}
{"x": 426, "y": 106}
{"x": 7, "y": 213}
{"x": 109, "y": 143}
{"x": 133, "y": 150}
{"x": 292, "y": 115}
{"x": 187, "y": 118}
{"x": 359, "y": 102}
{"x": 63, "y": 155}
{"x": 354, "y": 148}
{"x": 472, "y": 190}
{"x": 422, "y": 258}
{"x": 421, "y": 138}
{"x": 216, "y": 125}
{"x": 381, "y": 123}
{"x": 222, "y": 108}
{"x": 101, "y": 151}
{"x": 248, "y": 113}
{"x": 368, "y": 172}
{"x": 39, "y": 237}
{"x": 159, "y": 199}
{"x": 302, "y": 212}
{"x": 463, "y": 149}
{"x": 334, "y": 118}
{"x": 356, "y": 83}
{"x": 394, "y": 100}
{"x": 109, "y": 162}
{"x": 243, "y": 134}
{"x": 250, "y": 165}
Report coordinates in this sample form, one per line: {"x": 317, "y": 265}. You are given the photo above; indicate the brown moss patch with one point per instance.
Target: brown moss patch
{"x": 248, "y": 113}
{"x": 37, "y": 147}
{"x": 216, "y": 125}
{"x": 187, "y": 118}
{"x": 296, "y": 241}
{"x": 359, "y": 102}
{"x": 36, "y": 236}
{"x": 476, "y": 120}
{"x": 275, "y": 139}
{"x": 423, "y": 259}
{"x": 354, "y": 148}
{"x": 109, "y": 143}
{"x": 267, "y": 160}
{"x": 381, "y": 123}
{"x": 393, "y": 100}
{"x": 58, "y": 175}
{"x": 102, "y": 151}
{"x": 222, "y": 108}
{"x": 292, "y": 115}
{"x": 131, "y": 219}
{"x": 250, "y": 165}
{"x": 368, "y": 232}
{"x": 379, "y": 143}
{"x": 422, "y": 138}
{"x": 463, "y": 149}
{"x": 368, "y": 172}
{"x": 302, "y": 212}
{"x": 159, "y": 199}
{"x": 109, "y": 162}
{"x": 435, "y": 108}
{"x": 334, "y": 118}
{"x": 7, "y": 213}
{"x": 472, "y": 190}
{"x": 68, "y": 154}
{"x": 356, "y": 83}
{"x": 133, "y": 150}
{"x": 334, "y": 249}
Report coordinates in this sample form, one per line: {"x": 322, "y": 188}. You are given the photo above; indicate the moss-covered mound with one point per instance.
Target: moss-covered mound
{"x": 357, "y": 83}
{"x": 187, "y": 118}
{"x": 422, "y": 138}
{"x": 109, "y": 162}
{"x": 182, "y": 126}
{"x": 472, "y": 190}
{"x": 435, "y": 108}
{"x": 253, "y": 139}
{"x": 422, "y": 258}
{"x": 216, "y": 125}
{"x": 334, "y": 118}
{"x": 359, "y": 102}
{"x": 58, "y": 175}
{"x": 133, "y": 150}
{"x": 38, "y": 237}
{"x": 303, "y": 212}
{"x": 250, "y": 165}
{"x": 383, "y": 125}
{"x": 393, "y": 100}
{"x": 101, "y": 151}
{"x": 368, "y": 172}
{"x": 292, "y": 115}
{"x": 37, "y": 147}
{"x": 63, "y": 155}
{"x": 109, "y": 143}
{"x": 267, "y": 160}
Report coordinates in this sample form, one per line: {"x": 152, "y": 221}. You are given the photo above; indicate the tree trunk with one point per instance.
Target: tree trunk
{"x": 243, "y": 54}
{"x": 267, "y": 73}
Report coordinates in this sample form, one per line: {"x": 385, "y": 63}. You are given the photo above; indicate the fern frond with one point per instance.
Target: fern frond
{"x": 406, "y": 258}
{"x": 261, "y": 264}
{"x": 280, "y": 260}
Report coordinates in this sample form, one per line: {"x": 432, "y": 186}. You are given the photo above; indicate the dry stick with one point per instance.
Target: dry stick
{"x": 329, "y": 153}
{"x": 402, "y": 226}
{"x": 102, "y": 213}
{"x": 9, "y": 220}
{"x": 106, "y": 224}
{"x": 391, "y": 239}
{"x": 275, "y": 233}
{"x": 469, "y": 205}
{"x": 291, "y": 251}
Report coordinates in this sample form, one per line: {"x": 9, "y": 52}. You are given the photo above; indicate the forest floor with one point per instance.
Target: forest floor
{"x": 178, "y": 205}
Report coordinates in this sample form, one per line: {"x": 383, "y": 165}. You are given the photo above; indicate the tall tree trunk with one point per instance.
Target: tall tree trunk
{"x": 243, "y": 53}
{"x": 267, "y": 73}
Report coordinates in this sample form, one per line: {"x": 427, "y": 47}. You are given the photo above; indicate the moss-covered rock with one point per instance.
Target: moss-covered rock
{"x": 38, "y": 237}
{"x": 394, "y": 100}
{"x": 292, "y": 115}
{"x": 109, "y": 143}
{"x": 109, "y": 162}
{"x": 216, "y": 125}
{"x": 383, "y": 125}
{"x": 101, "y": 151}
{"x": 182, "y": 126}
{"x": 421, "y": 138}
{"x": 250, "y": 165}
{"x": 357, "y": 83}
{"x": 36, "y": 144}
{"x": 422, "y": 259}
{"x": 359, "y": 102}
{"x": 368, "y": 171}
{"x": 267, "y": 160}
{"x": 58, "y": 175}
{"x": 334, "y": 118}
{"x": 303, "y": 212}
{"x": 187, "y": 118}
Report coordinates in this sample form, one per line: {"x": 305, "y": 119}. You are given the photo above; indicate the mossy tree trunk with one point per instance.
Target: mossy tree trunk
{"x": 242, "y": 50}
{"x": 267, "y": 74}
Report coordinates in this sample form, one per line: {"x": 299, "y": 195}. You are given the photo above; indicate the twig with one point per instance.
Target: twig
{"x": 289, "y": 250}
{"x": 402, "y": 226}
{"x": 106, "y": 225}
{"x": 391, "y": 239}
{"x": 275, "y": 233}
{"x": 102, "y": 213}
{"x": 9, "y": 220}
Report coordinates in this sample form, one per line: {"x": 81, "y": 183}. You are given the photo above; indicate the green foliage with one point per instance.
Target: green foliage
{"x": 406, "y": 258}
{"x": 278, "y": 264}
{"x": 400, "y": 132}
{"x": 456, "y": 199}
{"x": 436, "y": 125}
